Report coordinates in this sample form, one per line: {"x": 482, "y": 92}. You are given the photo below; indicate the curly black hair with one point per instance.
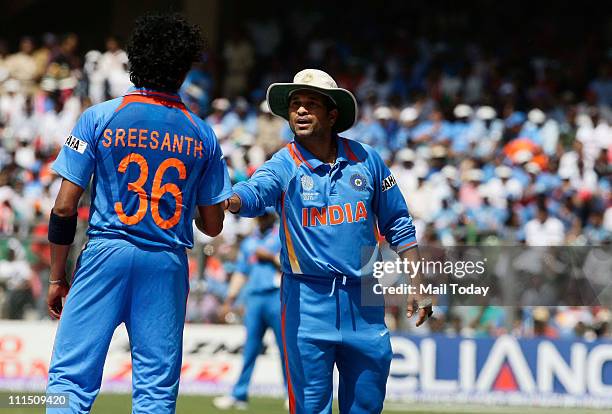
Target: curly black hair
{"x": 161, "y": 49}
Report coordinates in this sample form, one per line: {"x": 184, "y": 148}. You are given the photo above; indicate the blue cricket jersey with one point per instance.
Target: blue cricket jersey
{"x": 262, "y": 276}
{"x": 329, "y": 212}
{"x": 152, "y": 162}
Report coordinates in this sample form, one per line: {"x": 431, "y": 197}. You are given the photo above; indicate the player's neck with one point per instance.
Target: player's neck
{"x": 324, "y": 148}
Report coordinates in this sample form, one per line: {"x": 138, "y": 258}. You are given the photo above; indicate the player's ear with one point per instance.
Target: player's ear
{"x": 332, "y": 116}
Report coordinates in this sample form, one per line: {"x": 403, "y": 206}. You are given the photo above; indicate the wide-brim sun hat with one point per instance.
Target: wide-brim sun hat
{"x": 316, "y": 80}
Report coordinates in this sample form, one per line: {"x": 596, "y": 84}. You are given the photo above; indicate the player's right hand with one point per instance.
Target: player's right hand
{"x": 233, "y": 204}
{"x": 423, "y": 312}
{"x": 224, "y": 310}
{"x": 54, "y": 299}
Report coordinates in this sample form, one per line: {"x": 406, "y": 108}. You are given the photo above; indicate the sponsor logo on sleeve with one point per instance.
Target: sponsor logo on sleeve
{"x": 388, "y": 183}
{"x": 76, "y": 144}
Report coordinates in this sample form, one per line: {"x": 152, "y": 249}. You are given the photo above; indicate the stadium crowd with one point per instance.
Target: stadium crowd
{"x": 491, "y": 148}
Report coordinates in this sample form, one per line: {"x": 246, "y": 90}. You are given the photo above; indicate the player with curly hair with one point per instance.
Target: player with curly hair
{"x": 152, "y": 162}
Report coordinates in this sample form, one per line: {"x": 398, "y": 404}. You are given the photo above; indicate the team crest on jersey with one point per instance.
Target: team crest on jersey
{"x": 358, "y": 182}
{"x": 76, "y": 144}
{"x": 388, "y": 183}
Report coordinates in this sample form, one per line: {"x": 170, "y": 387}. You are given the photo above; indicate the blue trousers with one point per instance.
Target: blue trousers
{"x": 117, "y": 282}
{"x": 324, "y": 323}
{"x": 262, "y": 312}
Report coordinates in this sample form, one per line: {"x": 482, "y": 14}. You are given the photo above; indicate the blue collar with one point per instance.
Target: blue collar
{"x": 314, "y": 163}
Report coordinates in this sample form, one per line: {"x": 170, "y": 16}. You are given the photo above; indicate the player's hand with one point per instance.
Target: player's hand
{"x": 225, "y": 309}
{"x": 233, "y": 204}
{"x": 54, "y": 299}
{"x": 423, "y": 313}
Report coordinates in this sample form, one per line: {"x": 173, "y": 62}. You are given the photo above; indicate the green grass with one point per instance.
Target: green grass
{"x": 188, "y": 404}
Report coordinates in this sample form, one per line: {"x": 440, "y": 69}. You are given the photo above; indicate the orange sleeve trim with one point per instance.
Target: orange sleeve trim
{"x": 293, "y": 261}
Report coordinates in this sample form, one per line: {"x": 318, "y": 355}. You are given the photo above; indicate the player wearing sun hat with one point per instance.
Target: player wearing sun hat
{"x": 331, "y": 193}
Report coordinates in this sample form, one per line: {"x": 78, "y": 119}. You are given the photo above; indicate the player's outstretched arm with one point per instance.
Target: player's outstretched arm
{"x": 262, "y": 190}
{"x": 210, "y": 219}
{"x": 62, "y": 228}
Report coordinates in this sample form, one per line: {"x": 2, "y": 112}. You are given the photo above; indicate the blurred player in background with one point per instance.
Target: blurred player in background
{"x": 331, "y": 194}
{"x": 152, "y": 162}
{"x": 258, "y": 272}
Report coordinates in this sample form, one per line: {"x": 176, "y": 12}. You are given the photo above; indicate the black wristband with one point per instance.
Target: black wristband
{"x": 62, "y": 229}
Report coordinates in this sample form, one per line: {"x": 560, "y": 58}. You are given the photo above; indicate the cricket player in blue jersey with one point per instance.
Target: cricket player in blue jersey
{"x": 152, "y": 162}
{"x": 257, "y": 276}
{"x": 333, "y": 196}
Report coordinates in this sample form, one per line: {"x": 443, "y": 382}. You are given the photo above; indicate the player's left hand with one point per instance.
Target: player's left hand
{"x": 422, "y": 313}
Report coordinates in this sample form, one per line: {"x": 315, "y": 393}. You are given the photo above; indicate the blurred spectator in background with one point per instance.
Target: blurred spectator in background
{"x": 239, "y": 59}
{"x": 67, "y": 56}
{"x": 15, "y": 278}
{"x": 544, "y": 230}
{"x": 268, "y": 130}
{"x": 47, "y": 51}
{"x": 22, "y": 65}
{"x": 113, "y": 66}
{"x": 4, "y": 53}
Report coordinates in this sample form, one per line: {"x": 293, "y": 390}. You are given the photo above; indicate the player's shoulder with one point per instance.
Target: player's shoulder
{"x": 360, "y": 152}
{"x": 99, "y": 114}
{"x": 280, "y": 164}
{"x": 94, "y": 118}
{"x": 283, "y": 159}
{"x": 206, "y": 131}
{"x": 103, "y": 109}
{"x": 283, "y": 155}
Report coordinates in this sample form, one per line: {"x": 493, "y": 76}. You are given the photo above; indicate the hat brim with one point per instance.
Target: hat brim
{"x": 278, "y": 101}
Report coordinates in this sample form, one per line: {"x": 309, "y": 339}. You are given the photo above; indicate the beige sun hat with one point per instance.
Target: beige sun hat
{"x": 318, "y": 81}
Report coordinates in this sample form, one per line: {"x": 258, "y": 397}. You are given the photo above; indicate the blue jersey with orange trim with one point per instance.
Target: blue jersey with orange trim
{"x": 152, "y": 162}
{"x": 329, "y": 213}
